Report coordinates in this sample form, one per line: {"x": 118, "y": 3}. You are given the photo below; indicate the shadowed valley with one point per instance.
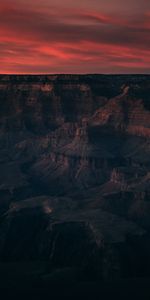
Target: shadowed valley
{"x": 74, "y": 178}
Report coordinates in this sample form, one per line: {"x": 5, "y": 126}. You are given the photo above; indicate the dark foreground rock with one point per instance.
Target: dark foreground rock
{"x": 75, "y": 175}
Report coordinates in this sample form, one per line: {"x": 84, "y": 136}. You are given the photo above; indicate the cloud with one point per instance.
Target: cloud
{"x": 55, "y": 39}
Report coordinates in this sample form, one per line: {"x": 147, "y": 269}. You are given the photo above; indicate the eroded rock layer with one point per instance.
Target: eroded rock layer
{"x": 75, "y": 173}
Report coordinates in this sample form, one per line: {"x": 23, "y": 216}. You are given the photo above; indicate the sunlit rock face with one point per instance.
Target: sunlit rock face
{"x": 75, "y": 172}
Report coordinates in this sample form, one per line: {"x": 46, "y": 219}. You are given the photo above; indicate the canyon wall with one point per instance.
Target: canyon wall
{"x": 75, "y": 161}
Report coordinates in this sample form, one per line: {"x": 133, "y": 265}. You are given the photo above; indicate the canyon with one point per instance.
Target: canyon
{"x": 75, "y": 175}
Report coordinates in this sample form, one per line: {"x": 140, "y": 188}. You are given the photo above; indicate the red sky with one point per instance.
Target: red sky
{"x": 75, "y": 36}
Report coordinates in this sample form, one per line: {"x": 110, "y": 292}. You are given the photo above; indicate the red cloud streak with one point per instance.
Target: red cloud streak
{"x": 44, "y": 38}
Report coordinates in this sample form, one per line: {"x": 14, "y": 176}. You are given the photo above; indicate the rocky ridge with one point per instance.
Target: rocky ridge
{"x": 75, "y": 164}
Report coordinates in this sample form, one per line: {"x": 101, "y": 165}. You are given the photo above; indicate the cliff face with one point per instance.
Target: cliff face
{"x": 74, "y": 150}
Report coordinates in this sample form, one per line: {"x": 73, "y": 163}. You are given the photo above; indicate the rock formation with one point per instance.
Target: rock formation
{"x": 74, "y": 179}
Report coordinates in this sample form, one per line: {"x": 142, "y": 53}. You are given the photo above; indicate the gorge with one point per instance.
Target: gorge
{"x": 75, "y": 175}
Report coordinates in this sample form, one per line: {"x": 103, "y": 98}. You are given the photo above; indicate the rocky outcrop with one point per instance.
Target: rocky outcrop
{"x": 74, "y": 179}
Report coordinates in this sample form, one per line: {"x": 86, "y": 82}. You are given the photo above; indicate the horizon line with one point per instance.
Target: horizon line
{"x": 75, "y": 74}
